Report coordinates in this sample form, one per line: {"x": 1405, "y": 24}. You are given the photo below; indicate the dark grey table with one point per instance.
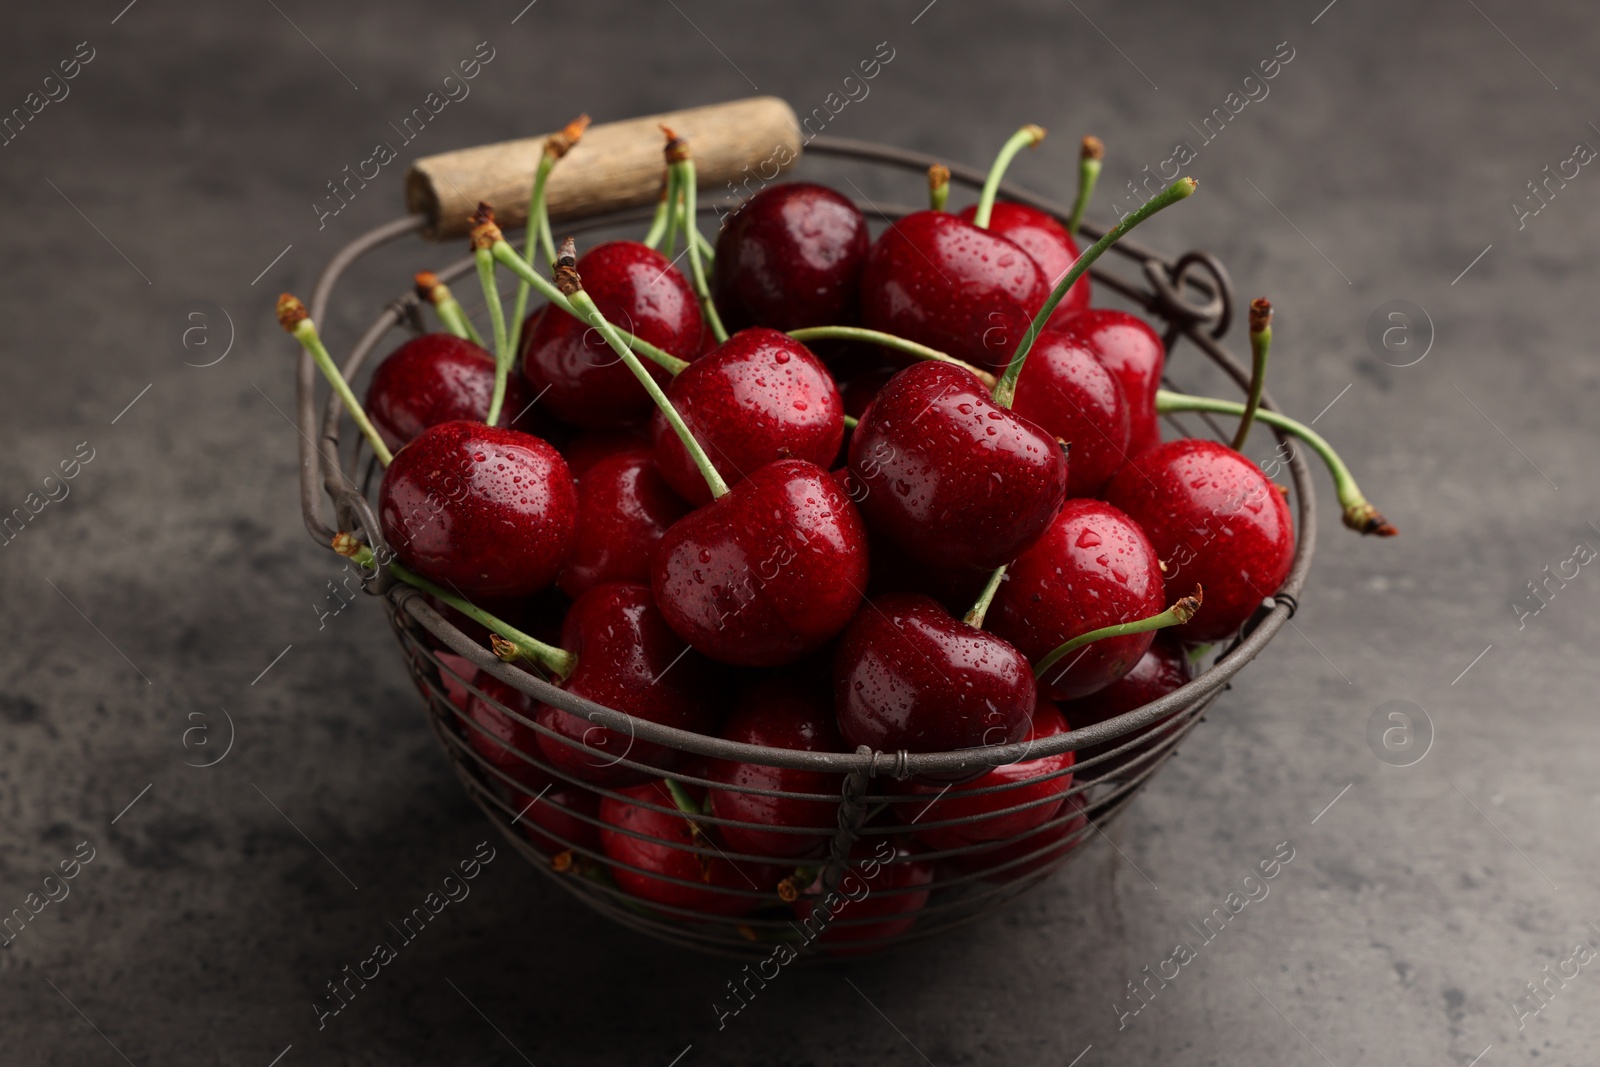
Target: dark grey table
{"x": 174, "y": 582}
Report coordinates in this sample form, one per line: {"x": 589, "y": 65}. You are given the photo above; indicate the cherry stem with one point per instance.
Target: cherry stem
{"x": 1005, "y": 392}
{"x": 571, "y": 286}
{"x": 938, "y": 186}
{"x": 447, "y": 307}
{"x": 556, "y": 146}
{"x": 974, "y": 618}
{"x": 686, "y": 803}
{"x": 557, "y": 661}
{"x": 296, "y": 321}
{"x": 687, "y": 184}
{"x": 502, "y": 343}
{"x": 1089, "y": 157}
{"x": 1358, "y": 514}
{"x": 850, "y": 422}
{"x": 1177, "y": 615}
{"x": 664, "y": 208}
{"x": 507, "y": 257}
{"x": 1260, "y": 345}
{"x": 889, "y": 340}
{"x": 1026, "y": 137}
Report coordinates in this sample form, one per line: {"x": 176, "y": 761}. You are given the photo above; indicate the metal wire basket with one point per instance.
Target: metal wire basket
{"x": 1128, "y": 749}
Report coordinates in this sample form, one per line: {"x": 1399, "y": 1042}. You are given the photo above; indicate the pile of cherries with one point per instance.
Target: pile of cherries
{"x": 815, "y": 491}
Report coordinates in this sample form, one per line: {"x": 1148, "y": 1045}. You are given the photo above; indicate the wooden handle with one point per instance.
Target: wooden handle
{"x": 616, "y": 165}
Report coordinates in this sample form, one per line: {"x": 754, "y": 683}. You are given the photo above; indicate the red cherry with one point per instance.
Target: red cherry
{"x": 628, "y": 660}
{"x": 1093, "y": 568}
{"x": 1047, "y": 242}
{"x": 1160, "y": 671}
{"x": 940, "y": 281}
{"x": 757, "y": 397}
{"x": 483, "y": 511}
{"x": 1132, "y": 351}
{"x": 767, "y": 573}
{"x": 624, "y": 506}
{"x": 551, "y": 819}
{"x": 503, "y": 742}
{"x": 1066, "y": 828}
{"x": 778, "y": 712}
{"x": 576, "y": 375}
{"x": 791, "y": 256}
{"x": 662, "y": 851}
{"x": 908, "y": 675}
{"x": 881, "y": 895}
{"x": 1215, "y": 520}
{"x": 591, "y": 446}
{"x": 1070, "y": 395}
{"x": 951, "y": 478}
{"x": 1028, "y": 785}
{"x": 437, "y": 378}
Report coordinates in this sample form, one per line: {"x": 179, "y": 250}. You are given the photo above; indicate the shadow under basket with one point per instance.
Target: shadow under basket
{"x": 881, "y": 894}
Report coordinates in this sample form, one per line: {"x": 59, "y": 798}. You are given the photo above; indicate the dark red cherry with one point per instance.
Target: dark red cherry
{"x": 482, "y": 511}
{"x": 438, "y": 378}
{"x": 951, "y": 478}
{"x": 503, "y": 742}
{"x": 624, "y": 506}
{"x": 1215, "y": 520}
{"x": 791, "y": 256}
{"x": 909, "y": 675}
{"x": 1047, "y": 242}
{"x": 1133, "y": 352}
{"x": 881, "y": 895}
{"x": 1161, "y": 670}
{"x": 1029, "y": 785}
{"x": 1016, "y": 859}
{"x": 552, "y": 819}
{"x": 757, "y": 397}
{"x": 569, "y": 366}
{"x": 591, "y": 446}
{"x": 778, "y": 712}
{"x": 628, "y": 660}
{"x": 1069, "y": 394}
{"x": 941, "y": 281}
{"x": 1093, "y": 568}
{"x": 662, "y": 852}
{"x": 768, "y": 572}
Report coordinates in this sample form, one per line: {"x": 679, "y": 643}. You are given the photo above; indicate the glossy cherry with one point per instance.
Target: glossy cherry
{"x": 791, "y": 256}
{"x": 586, "y": 449}
{"x": 551, "y": 819}
{"x": 778, "y": 712}
{"x": 504, "y": 743}
{"x": 909, "y": 675}
{"x": 1131, "y": 351}
{"x": 438, "y": 378}
{"x": 1070, "y": 395}
{"x": 1029, "y": 785}
{"x": 663, "y": 853}
{"x": 939, "y": 280}
{"x": 768, "y": 572}
{"x": 1161, "y": 670}
{"x": 1033, "y": 853}
{"x": 624, "y": 506}
{"x": 483, "y": 511}
{"x": 1216, "y": 520}
{"x": 951, "y": 478}
{"x": 629, "y": 661}
{"x": 1047, "y": 242}
{"x": 757, "y": 397}
{"x": 1093, "y": 568}
{"x": 576, "y": 375}
{"x": 881, "y": 895}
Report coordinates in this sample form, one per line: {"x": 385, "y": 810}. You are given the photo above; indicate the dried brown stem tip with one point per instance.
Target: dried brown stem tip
{"x": 1260, "y": 314}
{"x": 559, "y": 144}
{"x": 291, "y": 312}
{"x": 505, "y": 650}
{"x": 485, "y": 233}
{"x": 346, "y": 544}
{"x": 1035, "y": 133}
{"x": 562, "y": 861}
{"x": 565, "y": 273}
{"x": 938, "y": 177}
{"x": 677, "y": 149}
{"x": 1369, "y": 520}
{"x": 1093, "y": 148}
{"x": 1185, "y": 608}
{"x": 427, "y": 284}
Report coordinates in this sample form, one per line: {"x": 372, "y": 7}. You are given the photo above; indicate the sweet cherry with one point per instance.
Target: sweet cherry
{"x": 1047, "y": 242}
{"x": 624, "y": 506}
{"x": 1161, "y": 670}
{"x": 1070, "y": 395}
{"x": 791, "y": 256}
{"x": 436, "y": 378}
{"x": 503, "y": 742}
{"x": 1131, "y": 351}
{"x": 881, "y": 895}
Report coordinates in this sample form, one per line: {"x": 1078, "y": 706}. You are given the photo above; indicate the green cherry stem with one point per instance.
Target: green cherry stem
{"x": 507, "y": 257}
{"x": 446, "y": 306}
{"x": 974, "y": 618}
{"x": 679, "y": 158}
{"x": 658, "y": 222}
{"x": 296, "y": 322}
{"x": 1177, "y": 615}
{"x": 1026, "y": 137}
{"x": 1358, "y": 514}
{"x": 1089, "y": 157}
{"x": 938, "y": 186}
{"x": 571, "y": 286}
{"x": 1006, "y": 391}
{"x": 1260, "y": 345}
{"x": 556, "y": 146}
{"x": 484, "y": 235}
{"x": 889, "y": 340}
{"x": 512, "y": 645}
{"x": 851, "y": 422}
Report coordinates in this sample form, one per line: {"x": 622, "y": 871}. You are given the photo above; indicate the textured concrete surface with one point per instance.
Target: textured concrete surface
{"x": 187, "y": 155}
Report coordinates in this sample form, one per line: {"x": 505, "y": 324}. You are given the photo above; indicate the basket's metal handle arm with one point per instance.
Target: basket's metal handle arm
{"x": 742, "y": 143}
